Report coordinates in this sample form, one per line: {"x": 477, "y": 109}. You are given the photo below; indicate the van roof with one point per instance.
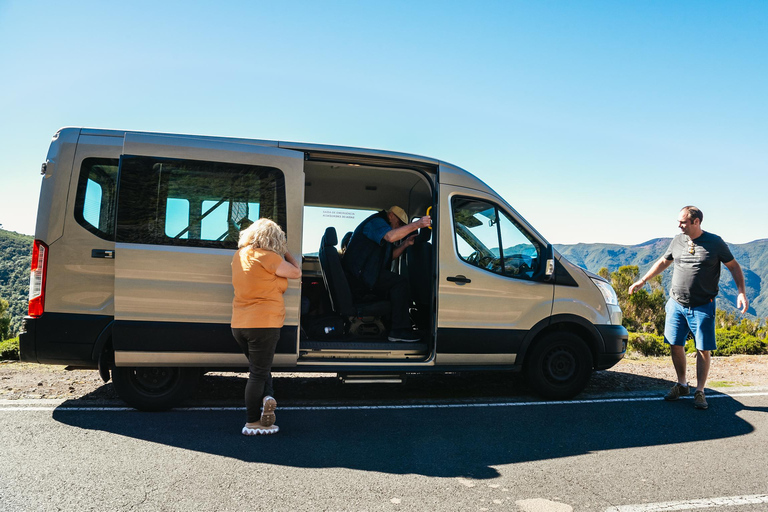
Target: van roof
{"x": 303, "y": 146}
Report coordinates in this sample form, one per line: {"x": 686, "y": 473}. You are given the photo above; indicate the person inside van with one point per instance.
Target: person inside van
{"x": 261, "y": 268}
{"x": 367, "y": 260}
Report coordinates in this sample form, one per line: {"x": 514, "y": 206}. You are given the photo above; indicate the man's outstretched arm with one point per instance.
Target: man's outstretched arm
{"x": 395, "y": 234}
{"x": 657, "y": 268}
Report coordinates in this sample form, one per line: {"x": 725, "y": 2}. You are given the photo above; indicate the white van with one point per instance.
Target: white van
{"x": 136, "y": 231}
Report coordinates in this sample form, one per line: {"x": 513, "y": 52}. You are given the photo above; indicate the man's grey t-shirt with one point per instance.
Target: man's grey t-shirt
{"x": 695, "y": 278}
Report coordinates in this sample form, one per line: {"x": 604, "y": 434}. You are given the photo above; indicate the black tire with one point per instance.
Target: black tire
{"x": 559, "y": 365}
{"x": 154, "y": 389}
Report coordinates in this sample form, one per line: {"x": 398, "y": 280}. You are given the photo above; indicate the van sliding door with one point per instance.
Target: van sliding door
{"x": 181, "y": 204}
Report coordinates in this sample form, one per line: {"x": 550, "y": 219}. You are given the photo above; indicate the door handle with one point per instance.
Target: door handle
{"x": 458, "y": 279}
{"x": 103, "y": 253}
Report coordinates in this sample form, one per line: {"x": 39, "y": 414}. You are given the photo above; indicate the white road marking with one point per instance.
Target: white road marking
{"x": 667, "y": 506}
{"x": 57, "y": 405}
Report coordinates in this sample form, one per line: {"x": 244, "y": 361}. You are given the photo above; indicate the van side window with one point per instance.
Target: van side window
{"x": 489, "y": 238}
{"x": 95, "y": 198}
{"x": 194, "y": 203}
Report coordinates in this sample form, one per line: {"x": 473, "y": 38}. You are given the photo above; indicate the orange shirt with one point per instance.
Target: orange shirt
{"x": 258, "y": 291}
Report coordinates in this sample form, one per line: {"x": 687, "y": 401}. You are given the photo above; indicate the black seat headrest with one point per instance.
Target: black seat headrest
{"x": 329, "y": 238}
{"x": 345, "y": 240}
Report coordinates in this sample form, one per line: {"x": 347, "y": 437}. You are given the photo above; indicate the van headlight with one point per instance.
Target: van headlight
{"x": 608, "y": 292}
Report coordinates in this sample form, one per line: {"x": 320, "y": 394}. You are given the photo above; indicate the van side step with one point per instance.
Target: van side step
{"x": 371, "y": 378}
{"x": 350, "y": 350}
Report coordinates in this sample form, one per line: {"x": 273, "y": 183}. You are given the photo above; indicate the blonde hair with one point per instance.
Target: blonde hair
{"x": 264, "y": 234}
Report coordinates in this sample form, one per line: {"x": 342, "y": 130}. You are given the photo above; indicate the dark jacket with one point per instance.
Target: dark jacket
{"x": 364, "y": 258}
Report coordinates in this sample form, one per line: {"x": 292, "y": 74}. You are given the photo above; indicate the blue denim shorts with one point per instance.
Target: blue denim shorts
{"x": 700, "y": 321}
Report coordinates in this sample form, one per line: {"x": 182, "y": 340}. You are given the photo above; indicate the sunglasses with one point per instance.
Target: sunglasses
{"x": 691, "y": 247}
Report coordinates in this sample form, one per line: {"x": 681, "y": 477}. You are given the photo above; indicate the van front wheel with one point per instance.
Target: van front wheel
{"x": 154, "y": 389}
{"x": 559, "y": 365}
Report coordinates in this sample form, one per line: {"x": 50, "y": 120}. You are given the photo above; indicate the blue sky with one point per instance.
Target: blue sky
{"x": 597, "y": 121}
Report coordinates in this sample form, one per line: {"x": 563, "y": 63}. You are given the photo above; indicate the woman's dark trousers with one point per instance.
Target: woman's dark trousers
{"x": 258, "y": 345}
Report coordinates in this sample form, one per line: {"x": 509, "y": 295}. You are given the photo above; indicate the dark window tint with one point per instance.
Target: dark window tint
{"x": 194, "y": 203}
{"x": 95, "y": 200}
{"x": 488, "y": 238}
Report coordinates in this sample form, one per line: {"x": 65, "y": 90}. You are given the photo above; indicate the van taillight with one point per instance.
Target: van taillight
{"x": 37, "y": 278}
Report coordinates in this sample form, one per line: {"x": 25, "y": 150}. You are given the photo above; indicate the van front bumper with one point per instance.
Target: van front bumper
{"x": 615, "y": 342}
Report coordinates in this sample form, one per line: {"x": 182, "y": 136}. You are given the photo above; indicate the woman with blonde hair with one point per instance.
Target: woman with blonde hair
{"x": 261, "y": 268}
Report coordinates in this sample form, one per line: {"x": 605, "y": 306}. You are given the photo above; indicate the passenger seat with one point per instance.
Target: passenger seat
{"x": 365, "y": 318}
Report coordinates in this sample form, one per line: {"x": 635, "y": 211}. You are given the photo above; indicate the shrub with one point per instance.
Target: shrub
{"x": 648, "y": 344}
{"x": 730, "y": 342}
{"x": 9, "y": 349}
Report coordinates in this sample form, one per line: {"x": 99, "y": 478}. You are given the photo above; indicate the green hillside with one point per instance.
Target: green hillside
{"x": 15, "y": 262}
{"x": 753, "y": 258}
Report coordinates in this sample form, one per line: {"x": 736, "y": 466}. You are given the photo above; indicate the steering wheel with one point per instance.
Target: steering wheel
{"x": 488, "y": 262}
{"x": 485, "y": 262}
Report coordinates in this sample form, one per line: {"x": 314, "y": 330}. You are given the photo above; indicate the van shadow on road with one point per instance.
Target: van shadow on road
{"x": 465, "y": 440}
{"x": 466, "y": 386}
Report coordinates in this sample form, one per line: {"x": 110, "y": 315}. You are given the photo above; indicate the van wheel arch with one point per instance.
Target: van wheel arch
{"x": 562, "y": 323}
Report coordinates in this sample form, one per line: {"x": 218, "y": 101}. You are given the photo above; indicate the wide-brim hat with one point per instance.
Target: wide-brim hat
{"x": 399, "y": 213}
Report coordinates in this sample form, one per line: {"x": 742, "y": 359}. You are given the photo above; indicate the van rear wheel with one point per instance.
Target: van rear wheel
{"x": 559, "y": 365}
{"x": 154, "y": 389}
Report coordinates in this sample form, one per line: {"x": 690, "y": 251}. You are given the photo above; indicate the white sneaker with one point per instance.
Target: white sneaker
{"x": 260, "y": 430}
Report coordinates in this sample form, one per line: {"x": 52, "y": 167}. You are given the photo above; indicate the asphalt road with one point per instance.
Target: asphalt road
{"x": 616, "y": 454}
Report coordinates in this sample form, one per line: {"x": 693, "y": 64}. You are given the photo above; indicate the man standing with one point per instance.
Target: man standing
{"x": 366, "y": 264}
{"x": 691, "y": 308}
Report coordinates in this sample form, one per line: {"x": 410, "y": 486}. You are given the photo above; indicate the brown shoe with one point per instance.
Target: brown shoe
{"x": 268, "y": 411}
{"x": 677, "y": 391}
{"x": 699, "y": 401}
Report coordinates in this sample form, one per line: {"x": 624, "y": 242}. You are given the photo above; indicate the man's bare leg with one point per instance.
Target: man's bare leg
{"x": 678, "y": 360}
{"x": 703, "y": 360}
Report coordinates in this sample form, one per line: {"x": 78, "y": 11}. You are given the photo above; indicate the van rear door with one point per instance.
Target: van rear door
{"x": 181, "y": 204}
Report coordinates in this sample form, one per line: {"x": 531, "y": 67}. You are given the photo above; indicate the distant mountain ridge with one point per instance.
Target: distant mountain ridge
{"x": 752, "y": 256}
